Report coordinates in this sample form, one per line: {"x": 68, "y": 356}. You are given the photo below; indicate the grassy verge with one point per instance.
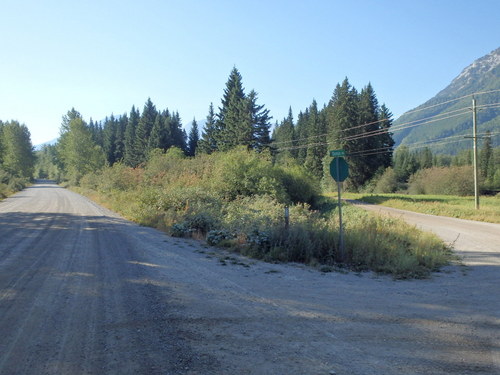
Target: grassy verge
{"x": 254, "y": 227}
{"x": 442, "y": 205}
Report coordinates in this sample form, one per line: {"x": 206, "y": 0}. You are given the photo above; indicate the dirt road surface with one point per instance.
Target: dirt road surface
{"x": 83, "y": 291}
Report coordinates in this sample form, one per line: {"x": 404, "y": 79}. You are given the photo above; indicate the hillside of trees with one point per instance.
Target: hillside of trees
{"x": 17, "y": 159}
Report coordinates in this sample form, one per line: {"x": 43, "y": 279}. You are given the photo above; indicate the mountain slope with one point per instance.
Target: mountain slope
{"x": 443, "y": 121}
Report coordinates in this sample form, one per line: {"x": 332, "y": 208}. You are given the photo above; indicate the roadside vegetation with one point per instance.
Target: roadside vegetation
{"x": 16, "y": 158}
{"x": 237, "y": 200}
{"x": 230, "y": 184}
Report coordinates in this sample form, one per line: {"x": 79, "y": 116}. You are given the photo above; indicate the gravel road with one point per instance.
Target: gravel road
{"x": 83, "y": 291}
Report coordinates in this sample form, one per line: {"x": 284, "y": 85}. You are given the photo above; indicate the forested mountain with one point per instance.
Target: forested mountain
{"x": 443, "y": 121}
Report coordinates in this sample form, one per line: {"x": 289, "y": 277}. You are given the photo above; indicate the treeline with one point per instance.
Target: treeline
{"x": 421, "y": 171}
{"x": 17, "y": 159}
{"x": 352, "y": 121}
{"x": 130, "y": 138}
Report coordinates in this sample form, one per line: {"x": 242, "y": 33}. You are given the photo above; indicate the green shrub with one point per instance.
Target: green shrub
{"x": 241, "y": 172}
{"x": 387, "y": 182}
{"x": 443, "y": 180}
{"x": 300, "y": 185}
{"x": 180, "y": 230}
{"x": 216, "y": 237}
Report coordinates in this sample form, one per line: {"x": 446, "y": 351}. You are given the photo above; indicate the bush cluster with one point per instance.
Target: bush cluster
{"x": 443, "y": 180}
{"x": 237, "y": 199}
{"x": 10, "y": 183}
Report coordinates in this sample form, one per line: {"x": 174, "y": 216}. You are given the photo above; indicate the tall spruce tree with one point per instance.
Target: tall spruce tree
{"x": 146, "y": 123}
{"x": 177, "y": 133}
{"x": 208, "y": 141}
{"x": 234, "y": 118}
{"x": 486, "y": 156}
{"x": 405, "y": 163}
{"x": 386, "y": 142}
{"x": 260, "y": 122}
{"x": 131, "y": 158}
{"x": 316, "y": 149}
{"x": 193, "y": 139}
{"x": 120, "y": 137}
{"x": 284, "y": 138}
{"x": 158, "y": 136}
{"x": 109, "y": 139}
{"x": 302, "y": 134}
{"x": 2, "y": 142}
{"x": 369, "y": 137}
{"x": 343, "y": 130}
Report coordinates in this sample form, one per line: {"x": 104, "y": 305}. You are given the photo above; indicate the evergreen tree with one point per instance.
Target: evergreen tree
{"x": 2, "y": 146}
{"x": 425, "y": 158}
{"x": 109, "y": 139}
{"x": 343, "y": 130}
{"x": 485, "y": 156}
{"x": 131, "y": 158}
{"x": 302, "y": 133}
{"x": 121, "y": 126}
{"x": 284, "y": 138}
{"x": 405, "y": 163}
{"x": 208, "y": 141}
{"x": 193, "y": 138}
{"x": 369, "y": 136}
{"x": 143, "y": 131}
{"x": 234, "y": 119}
{"x": 386, "y": 142}
{"x": 316, "y": 150}
{"x": 260, "y": 122}
{"x": 177, "y": 134}
{"x": 158, "y": 137}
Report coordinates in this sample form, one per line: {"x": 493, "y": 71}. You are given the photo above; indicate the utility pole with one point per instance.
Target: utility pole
{"x": 474, "y": 139}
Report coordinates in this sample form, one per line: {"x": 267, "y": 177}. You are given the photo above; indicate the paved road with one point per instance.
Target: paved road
{"x": 83, "y": 291}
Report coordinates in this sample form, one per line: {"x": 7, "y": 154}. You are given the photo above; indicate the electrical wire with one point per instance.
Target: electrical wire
{"x": 450, "y": 101}
{"x": 399, "y": 127}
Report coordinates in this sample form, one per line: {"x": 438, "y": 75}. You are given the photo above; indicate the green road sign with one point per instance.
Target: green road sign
{"x": 339, "y": 169}
{"x": 335, "y": 153}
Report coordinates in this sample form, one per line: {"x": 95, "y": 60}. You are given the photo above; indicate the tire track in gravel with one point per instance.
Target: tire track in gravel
{"x": 72, "y": 301}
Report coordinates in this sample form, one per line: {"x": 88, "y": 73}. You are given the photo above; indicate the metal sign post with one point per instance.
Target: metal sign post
{"x": 341, "y": 227}
{"x": 339, "y": 170}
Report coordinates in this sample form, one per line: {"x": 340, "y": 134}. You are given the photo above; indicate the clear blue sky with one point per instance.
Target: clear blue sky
{"x": 104, "y": 56}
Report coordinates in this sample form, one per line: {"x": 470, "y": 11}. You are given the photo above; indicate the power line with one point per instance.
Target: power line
{"x": 399, "y": 127}
{"x": 451, "y": 100}
{"x": 363, "y": 135}
{"x": 373, "y": 132}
